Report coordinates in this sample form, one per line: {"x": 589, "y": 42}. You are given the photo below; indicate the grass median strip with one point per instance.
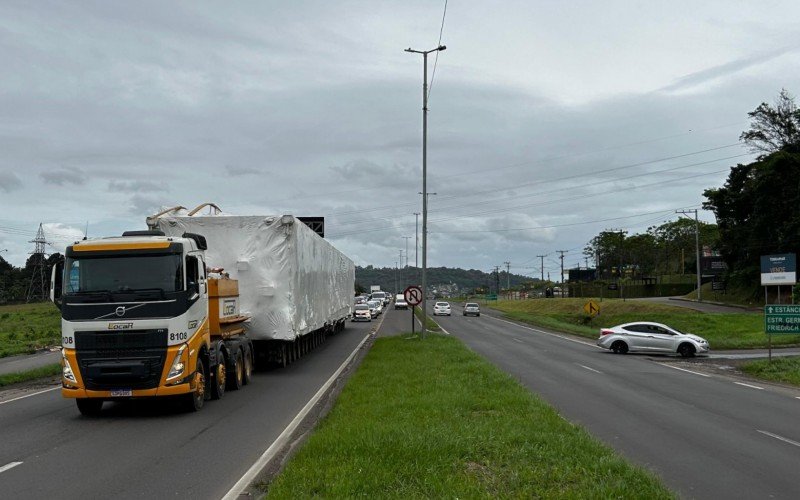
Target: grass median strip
{"x": 44, "y": 371}
{"x": 786, "y": 370}
{"x": 434, "y": 420}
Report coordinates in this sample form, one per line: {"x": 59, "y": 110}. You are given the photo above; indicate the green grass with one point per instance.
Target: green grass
{"x": 434, "y": 420}
{"x": 430, "y": 324}
{"x": 44, "y": 371}
{"x": 782, "y": 369}
{"x": 723, "y": 331}
{"x": 24, "y": 328}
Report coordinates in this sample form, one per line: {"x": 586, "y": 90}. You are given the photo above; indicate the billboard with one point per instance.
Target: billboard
{"x": 779, "y": 269}
{"x": 713, "y": 266}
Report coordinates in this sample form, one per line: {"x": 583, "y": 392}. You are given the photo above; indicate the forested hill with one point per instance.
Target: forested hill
{"x": 465, "y": 279}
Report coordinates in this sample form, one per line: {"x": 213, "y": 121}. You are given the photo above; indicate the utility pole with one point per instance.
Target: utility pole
{"x": 395, "y": 273}
{"x": 508, "y": 275}
{"x": 425, "y": 177}
{"x": 696, "y": 244}
{"x": 416, "y": 244}
{"x": 562, "y": 252}
{"x": 542, "y": 257}
{"x": 497, "y": 279}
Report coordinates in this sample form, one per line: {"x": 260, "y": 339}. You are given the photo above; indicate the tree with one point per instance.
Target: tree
{"x": 758, "y": 212}
{"x": 774, "y": 129}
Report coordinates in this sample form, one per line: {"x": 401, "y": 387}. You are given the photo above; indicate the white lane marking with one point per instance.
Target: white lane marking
{"x": 785, "y": 440}
{"x": 590, "y": 369}
{"x": 9, "y": 465}
{"x": 685, "y": 370}
{"x": 750, "y": 386}
{"x": 242, "y": 484}
{"x": 542, "y": 331}
{"x": 516, "y": 339}
{"x": 29, "y": 395}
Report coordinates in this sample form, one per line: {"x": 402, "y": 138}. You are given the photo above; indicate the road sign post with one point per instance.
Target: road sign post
{"x": 413, "y": 295}
{"x": 591, "y": 308}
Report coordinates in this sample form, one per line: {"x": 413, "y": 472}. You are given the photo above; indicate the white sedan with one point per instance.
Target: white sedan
{"x": 645, "y": 336}
{"x": 441, "y": 309}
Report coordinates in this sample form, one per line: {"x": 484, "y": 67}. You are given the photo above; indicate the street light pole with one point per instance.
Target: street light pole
{"x": 697, "y": 247}
{"x": 416, "y": 245}
{"x": 425, "y": 177}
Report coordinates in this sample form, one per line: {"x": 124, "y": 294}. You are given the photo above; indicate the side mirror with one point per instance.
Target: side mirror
{"x": 56, "y": 283}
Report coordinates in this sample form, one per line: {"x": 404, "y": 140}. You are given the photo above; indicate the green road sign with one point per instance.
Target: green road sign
{"x": 782, "y": 319}
{"x": 490, "y": 296}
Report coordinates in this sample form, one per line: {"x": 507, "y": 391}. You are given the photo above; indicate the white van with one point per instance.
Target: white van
{"x": 382, "y": 296}
{"x": 400, "y": 301}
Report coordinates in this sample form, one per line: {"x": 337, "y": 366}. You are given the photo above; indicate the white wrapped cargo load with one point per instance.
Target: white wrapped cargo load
{"x": 291, "y": 281}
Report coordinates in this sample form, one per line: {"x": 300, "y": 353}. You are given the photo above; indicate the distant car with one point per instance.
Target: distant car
{"x": 400, "y": 302}
{"x": 441, "y": 309}
{"x": 377, "y": 305}
{"x": 645, "y": 336}
{"x": 472, "y": 309}
{"x": 361, "y": 312}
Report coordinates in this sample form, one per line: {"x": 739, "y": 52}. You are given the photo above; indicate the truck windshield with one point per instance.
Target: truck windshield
{"x": 123, "y": 274}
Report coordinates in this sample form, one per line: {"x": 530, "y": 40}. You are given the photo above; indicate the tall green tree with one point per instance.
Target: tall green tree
{"x": 774, "y": 129}
{"x": 758, "y": 212}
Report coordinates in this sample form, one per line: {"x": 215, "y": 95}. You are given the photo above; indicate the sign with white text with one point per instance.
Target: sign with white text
{"x": 780, "y": 269}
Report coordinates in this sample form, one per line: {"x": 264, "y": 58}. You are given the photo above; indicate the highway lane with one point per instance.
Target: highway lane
{"x": 706, "y": 436}
{"x": 151, "y": 450}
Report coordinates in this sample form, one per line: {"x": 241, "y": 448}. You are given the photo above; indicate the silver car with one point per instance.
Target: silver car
{"x": 645, "y": 336}
{"x": 471, "y": 308}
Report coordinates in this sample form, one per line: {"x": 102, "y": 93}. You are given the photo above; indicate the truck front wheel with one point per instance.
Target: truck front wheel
{"x": 89, "y": 407}
{"x": 196, "y": 399}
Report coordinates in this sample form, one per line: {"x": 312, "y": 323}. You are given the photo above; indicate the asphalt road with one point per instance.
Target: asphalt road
{"x": 23, "y": 363}
{"x": 150, "y": 449}
{"x": 706, "y": 436}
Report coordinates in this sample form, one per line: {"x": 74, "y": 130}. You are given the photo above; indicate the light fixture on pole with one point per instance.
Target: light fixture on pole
{"x": 425, "y": 175}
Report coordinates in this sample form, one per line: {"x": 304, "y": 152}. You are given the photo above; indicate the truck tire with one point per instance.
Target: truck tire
{"x": 89, "y": 407}
{"x": 218, "y": 375}
{"x": 194, "y": 400}
{"x": 248, "y": 366}
{"x": 235, "y": 375}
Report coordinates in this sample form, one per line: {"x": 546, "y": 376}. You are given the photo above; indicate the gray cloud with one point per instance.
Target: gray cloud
{"x": 9, "y": 182}
{"x": 240, "y": 171}
{"x": 136, "y": 186}
{"x": 64, "y": 176}
{"x": 727, "y": 69}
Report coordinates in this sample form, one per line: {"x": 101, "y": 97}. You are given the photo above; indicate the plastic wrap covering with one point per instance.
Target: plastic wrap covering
{"x": 291, "y": 281}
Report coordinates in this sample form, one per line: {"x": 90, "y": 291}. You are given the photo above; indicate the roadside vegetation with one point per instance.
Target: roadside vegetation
{"x": 786, "y": 370}
{"x": 25, "y": 328}
{"x": 430, "y": 324}
{"x": 723, "y": 331}
{"x": 434, "y": 420}
{"x": 16, "y": 378}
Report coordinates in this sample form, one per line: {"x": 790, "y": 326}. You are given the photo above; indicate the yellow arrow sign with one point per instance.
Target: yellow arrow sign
{"x": 591, "y": 308}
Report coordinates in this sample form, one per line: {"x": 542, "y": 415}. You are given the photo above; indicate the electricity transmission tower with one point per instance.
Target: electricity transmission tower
{"x": 38, "y": 286}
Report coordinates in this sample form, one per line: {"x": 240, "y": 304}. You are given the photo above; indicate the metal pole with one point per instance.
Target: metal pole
{"x": 425, "y": 180}
{"x": 697, "y": 245}
{"x": 416, "y": 245}
{"x": 424, "y": 193}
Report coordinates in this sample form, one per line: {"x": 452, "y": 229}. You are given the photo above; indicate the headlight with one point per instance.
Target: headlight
{"x": 66, "y": 369}
{"x": 178, "y": 366}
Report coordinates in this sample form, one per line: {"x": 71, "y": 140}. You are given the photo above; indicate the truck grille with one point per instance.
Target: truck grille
{"x": 131, "y": 359}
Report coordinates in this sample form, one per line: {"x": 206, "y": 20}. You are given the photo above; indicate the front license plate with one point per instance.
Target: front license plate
{"x": 119, "y": 393}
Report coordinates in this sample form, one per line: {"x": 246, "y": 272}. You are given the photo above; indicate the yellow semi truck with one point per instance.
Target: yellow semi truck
{"x": 147, "y": 315}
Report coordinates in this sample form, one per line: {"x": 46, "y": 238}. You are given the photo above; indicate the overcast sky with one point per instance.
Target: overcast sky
{"x": 549, "y": 121}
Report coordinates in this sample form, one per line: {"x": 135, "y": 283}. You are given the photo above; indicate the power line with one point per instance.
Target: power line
{"x": 436, "y": 60}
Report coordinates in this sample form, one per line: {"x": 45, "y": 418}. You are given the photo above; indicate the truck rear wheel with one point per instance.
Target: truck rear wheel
{"x": 236, "y": 371}
{"x": 194, "y": 401}
{"x": 89, "y": 407}
{"x": 248, "y": 366}
{"x": 218, "y": 377}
